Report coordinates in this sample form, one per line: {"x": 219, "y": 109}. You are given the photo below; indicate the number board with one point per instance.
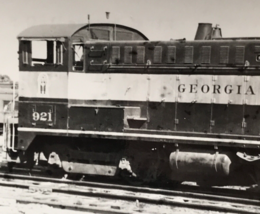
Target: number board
{"x": 43, "y": 114}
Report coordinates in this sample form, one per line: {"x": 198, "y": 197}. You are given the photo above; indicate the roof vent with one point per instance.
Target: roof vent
{"x": 216, "y": 32}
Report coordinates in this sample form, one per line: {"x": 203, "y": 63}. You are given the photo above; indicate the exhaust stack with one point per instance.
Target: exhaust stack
{"x": 205, "y": 31}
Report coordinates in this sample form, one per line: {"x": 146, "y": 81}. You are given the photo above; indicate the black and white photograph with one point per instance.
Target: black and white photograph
{"x": 130, "y": 106}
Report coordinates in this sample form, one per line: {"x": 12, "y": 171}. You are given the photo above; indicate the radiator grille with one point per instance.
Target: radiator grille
{"x": 224, "y": 54}
{"x": 188, "y": 58}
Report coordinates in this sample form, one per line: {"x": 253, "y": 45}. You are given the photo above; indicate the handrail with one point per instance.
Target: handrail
{"x": 13, "y": 139}
{"x": 4, "y": 146}
{"x": 8, "y": 136}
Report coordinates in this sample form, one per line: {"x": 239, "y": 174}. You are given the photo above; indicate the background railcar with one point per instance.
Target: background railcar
{"x": 8, "y": 92}
{"x": 102, "y": 99}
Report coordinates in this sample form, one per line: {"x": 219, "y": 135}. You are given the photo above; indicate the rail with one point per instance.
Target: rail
{"x": 127, "y": 194}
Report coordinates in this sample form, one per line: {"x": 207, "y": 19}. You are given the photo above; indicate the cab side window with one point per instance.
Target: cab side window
{"x": 47, "y": 53}
{"x": 26, "y": 52}
{"x": 78, "y": 57}
{"x": 41, "y": 54}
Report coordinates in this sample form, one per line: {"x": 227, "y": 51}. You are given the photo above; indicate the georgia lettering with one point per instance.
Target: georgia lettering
{"x": 215, "y": 89}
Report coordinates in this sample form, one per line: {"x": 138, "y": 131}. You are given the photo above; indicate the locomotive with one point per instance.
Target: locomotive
{"x": 101, "y": 99}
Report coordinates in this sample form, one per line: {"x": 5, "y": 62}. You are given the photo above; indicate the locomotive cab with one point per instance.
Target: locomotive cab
{"x": 48, "y": 56}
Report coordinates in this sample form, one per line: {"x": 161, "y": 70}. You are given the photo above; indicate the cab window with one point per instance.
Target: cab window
{"x": 42, "y": 53}
{"x": 100, "y": 34}
{"x": 47, "y": 53}
{"x": 78, "y": 57}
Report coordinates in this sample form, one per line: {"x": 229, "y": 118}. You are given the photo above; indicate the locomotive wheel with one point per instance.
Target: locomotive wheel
{"x": 53, "y": 154}
{"x": 32, "y": 157}
{"x": 146, "y": 167}
{"x": 135, "y": 181}
{"x": 10, "y": 166}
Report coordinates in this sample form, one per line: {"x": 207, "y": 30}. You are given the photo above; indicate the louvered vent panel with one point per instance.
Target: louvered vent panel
{"x": 240, "y": 55}
{"x": 205, "y": 54}
{"x": 257, "y": 49}
{"x": 188, "y": 58}
{"x": 171, "y": 54}
{"x": 224, "y": 54}
{"x": 140, "y": 54}
{"x": 128, "y": 55}
{"x": 157, "y": 54}
{"x": 115, "y": 56}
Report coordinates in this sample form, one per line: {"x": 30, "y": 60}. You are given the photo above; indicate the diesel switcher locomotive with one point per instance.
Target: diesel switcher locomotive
{"x": 102, "y": 99}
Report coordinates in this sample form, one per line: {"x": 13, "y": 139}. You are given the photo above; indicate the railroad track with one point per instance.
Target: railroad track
{"x": 114, "y": 198}
{"x": 131, "y": 198}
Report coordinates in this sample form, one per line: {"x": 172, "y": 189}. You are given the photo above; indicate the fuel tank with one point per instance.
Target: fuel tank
{"x": 194, "y": 166}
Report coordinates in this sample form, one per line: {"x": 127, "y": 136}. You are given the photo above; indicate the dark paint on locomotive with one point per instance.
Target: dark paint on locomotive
{"x": 172, "y": 108}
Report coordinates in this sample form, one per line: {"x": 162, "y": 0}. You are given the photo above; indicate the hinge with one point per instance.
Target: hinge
{"x": 214, "y": 78}
{"x": 212, "y": 123}
{"x": 246, "y": 78}
{"x": 176, "y": 121}
{"x": 244, "y": 124}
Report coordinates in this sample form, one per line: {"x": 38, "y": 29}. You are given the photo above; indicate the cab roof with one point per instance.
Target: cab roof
{"x": 64, "y": 30}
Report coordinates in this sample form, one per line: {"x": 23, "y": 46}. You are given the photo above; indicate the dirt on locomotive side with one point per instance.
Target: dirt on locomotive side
{"x": 108, "y": 103}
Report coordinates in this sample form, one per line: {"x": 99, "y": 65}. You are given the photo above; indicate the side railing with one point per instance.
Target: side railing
{"x": 10, "y": 120}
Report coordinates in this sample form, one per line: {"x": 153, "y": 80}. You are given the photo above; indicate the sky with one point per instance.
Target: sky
{"x": 157, "y": 19}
